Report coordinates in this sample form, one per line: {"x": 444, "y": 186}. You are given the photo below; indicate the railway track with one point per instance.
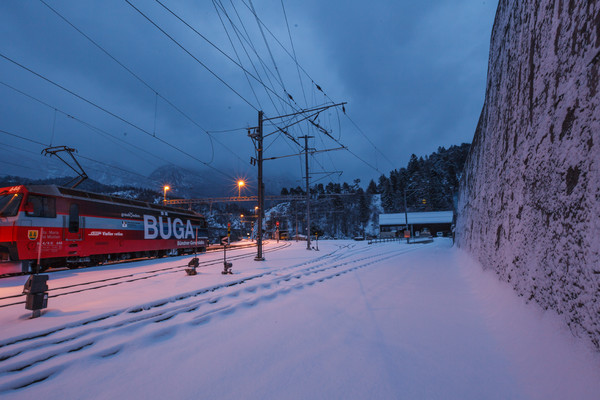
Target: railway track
{"x": 17, "y": 299}
{"x": 212, "y": 249}
{"x": 33, "y": 358}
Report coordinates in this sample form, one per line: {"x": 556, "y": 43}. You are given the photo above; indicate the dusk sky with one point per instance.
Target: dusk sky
{"x": 412, "y": 74}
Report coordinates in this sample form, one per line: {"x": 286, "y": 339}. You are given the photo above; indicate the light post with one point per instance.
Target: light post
{"x": 240, "y": 184}
{"x": 252, "y": 225}
{"x": 165, "y": 188}
{"x": 405, "y": 215}
{"x": 242, "y": 225}
{"x": 406, "y": 211}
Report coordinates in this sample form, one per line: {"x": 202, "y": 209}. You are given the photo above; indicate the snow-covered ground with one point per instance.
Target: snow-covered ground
{"x": 381, "y": 321}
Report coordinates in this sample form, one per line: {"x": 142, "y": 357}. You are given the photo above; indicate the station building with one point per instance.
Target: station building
{"x": 393, "y": 225}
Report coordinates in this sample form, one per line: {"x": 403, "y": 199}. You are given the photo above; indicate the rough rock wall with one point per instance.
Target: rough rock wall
{"x": 529, "y": 202}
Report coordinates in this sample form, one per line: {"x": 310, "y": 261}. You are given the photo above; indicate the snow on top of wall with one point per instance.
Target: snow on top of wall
{"x": 430, "y": 217}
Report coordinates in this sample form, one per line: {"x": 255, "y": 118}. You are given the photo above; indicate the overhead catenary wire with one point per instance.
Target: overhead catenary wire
{"x": 29, "y": 159}
{"x": 236, "y": 53}
{"x": 44, "y": 145}
{"x": 136, "y": 76}
{"x": 295, "y": 58}
{"x": 16, "y": 165}
{"x": 114, "y": 115}
{"x": 319, "y": 88}
{"x": 215, "y": 47}
{"x": 190, "y": 53}
{"x": 229, "y": 57}
{"x": 269, "y": 50}
{"x": 84, "y": 123}
{"x": 258, "y": 79}
{"x": 246, "y": 38}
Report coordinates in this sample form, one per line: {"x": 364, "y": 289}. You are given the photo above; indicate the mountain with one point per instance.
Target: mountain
{"x": 188, "y": 184}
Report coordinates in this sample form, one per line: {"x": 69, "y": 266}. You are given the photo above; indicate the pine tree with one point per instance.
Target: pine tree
{"x": 372, "y": 188}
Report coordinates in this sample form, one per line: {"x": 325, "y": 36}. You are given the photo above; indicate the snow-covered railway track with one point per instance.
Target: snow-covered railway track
{"x": 36, "y": 357}
{"x": 212, "y": 249}
{"x": 18, "y": 299}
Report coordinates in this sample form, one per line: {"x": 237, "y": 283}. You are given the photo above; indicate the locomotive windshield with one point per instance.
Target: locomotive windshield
{"x": 9, "y": 204}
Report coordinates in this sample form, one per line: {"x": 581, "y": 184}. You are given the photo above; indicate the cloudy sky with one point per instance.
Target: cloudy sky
{"x": 141, "y": 84}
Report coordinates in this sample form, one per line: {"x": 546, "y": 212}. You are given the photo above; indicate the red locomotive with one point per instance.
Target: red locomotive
{"x": 48, "y": 226}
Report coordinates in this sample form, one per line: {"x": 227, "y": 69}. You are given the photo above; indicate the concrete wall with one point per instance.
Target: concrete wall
{"x": 529, "y": 202}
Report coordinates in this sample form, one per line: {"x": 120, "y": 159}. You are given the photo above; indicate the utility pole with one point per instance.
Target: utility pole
{"x": 405, "y": 215}
{"x": 296, "y": 214}
{"x": 306, "y": 137}
{"x": 258, "y": 136}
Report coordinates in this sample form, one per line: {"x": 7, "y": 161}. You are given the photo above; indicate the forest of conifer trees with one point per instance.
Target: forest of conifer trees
{"x": 346, "y": 210}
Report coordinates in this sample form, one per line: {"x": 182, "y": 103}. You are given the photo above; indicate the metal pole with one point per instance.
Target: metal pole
{"x": 405, "y": 214}
{"x": 307, "y": 192}
{"x": 39, "y": 256}
{"x": 261, "y": 200}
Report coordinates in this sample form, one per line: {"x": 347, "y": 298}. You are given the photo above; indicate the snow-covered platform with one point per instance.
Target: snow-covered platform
{"x": 352, "y": 320}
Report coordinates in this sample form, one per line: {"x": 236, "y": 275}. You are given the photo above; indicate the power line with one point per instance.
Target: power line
{"x": 16, "y": 165}
{"x": 114, "y": 115}
{"x": 269, "y": 50}
{"x": 269, "y": 89}
{"x": 214, "y": 46}
{"x": 191, "y": 55}
{"x": 170, "y": 103}
{"x": 86, "y": 124}
{"x": 294, "y": 52}
{"x": 248, "y": 40}
{"x": 23, "y": 138}
{"x": 238, "y": 63}
{"x": 319, "y": 88}
{"x": 260, "y": 24}
{"x": 81, "y": 156}
{"x": 236, "y": 53}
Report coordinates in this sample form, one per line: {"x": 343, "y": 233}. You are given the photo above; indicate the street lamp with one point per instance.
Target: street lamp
{"x": 165, "y": 188}
{"x": 240, "y": 183}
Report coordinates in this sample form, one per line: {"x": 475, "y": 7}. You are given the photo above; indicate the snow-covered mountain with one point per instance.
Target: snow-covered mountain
{"x": 188, "y": 184}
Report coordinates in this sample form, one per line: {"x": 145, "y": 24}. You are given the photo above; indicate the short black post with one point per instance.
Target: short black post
{"x": 36, "y": 291}
{"x": 226, "y": 265}
{"x": 192, "y": 265}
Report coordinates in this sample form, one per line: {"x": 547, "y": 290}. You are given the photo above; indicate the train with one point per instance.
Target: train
{"x": 48, "y": 226}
